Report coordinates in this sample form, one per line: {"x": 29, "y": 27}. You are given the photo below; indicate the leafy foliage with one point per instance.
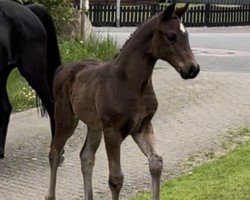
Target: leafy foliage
{"x": 61, "y": 11}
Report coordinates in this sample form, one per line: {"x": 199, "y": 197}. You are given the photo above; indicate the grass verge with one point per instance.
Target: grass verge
{"x": 95, "y": 47}
{"x": 224, "y": 179}
{"x": 22, "y": 97}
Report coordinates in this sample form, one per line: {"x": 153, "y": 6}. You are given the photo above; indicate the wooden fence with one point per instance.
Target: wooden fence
{"x": 202, "y": 15}
{"x": 230, "y": 2}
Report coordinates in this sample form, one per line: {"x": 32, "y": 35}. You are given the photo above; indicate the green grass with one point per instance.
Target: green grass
{"x": 95, "y": 47}
{"x": 22, "y": 97}
{"x": 227, "y": 178}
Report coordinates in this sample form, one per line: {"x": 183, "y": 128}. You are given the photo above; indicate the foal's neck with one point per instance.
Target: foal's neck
{"x": 135, "y": 62}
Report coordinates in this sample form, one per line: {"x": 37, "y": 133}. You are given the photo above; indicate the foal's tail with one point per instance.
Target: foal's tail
{"x": 53, "y": 54}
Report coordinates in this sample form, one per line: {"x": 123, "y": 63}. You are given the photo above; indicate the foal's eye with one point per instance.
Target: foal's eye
{"x": 171, "y": 37}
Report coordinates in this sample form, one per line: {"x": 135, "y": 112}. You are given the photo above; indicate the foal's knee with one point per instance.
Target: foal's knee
{"x": 87, "y": 163}
{"x": 54, "y": 155}
{"x": 155, "y": 165}
{"x": 116, "y": 182}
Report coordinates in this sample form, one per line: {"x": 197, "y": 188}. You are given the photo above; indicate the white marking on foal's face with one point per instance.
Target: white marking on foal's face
{"x": 182, "y": 28}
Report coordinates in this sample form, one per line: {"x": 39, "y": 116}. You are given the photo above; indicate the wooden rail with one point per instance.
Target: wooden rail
{"x": 201, "y": 15}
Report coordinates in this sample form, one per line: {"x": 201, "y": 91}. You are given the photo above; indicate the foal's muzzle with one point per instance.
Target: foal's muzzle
{"x": 192, "y": 72}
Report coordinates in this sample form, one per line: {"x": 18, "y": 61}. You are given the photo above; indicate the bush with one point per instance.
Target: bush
{"x": 61, "y": 10}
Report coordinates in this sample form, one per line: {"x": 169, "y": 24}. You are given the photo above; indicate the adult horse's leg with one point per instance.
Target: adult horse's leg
{"x": 5, "y": 106}
{"x": 87, "y": 157}
{"x": 33, "y": 68}
{"x": 113, "y": 142}
{"x": 146, "y": 142}
{"x": 65, "y": 126}
{"x": 5, "y": 110}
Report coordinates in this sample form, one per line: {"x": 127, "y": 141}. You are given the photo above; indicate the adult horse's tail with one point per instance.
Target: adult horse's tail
{"x": 53, "y": 54}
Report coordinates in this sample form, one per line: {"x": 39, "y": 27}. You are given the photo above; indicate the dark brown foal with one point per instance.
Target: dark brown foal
{"x": 117, "y": 98}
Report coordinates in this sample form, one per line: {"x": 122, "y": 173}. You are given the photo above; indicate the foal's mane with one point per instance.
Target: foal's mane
{"x": 132, "y": 35}
{"x": 127, "y": 41}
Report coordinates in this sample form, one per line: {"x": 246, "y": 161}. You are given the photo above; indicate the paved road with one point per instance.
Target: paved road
{"x": 193, "y": 117}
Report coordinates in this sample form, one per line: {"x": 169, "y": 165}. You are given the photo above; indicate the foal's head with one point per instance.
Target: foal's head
{"x": 170, "y": 42}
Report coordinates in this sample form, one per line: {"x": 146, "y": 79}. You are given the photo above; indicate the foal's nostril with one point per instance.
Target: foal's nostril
{"x": 194, "y": 70}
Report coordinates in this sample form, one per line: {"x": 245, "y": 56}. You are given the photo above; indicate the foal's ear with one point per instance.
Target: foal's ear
{"x": 181, "y": 11}
{"x": 169, "y": 12}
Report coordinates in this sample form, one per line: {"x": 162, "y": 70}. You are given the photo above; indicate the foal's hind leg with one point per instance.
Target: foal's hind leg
{"x": 65, "y": 126}
{"x": 146, "y": 142}
{"x": 87, "y": 156}
{"x": 5, "y": 111}
{"x": 113, "y": 142}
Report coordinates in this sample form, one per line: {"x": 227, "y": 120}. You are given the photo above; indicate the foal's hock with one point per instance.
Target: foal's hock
{"x": 117, "y": 99}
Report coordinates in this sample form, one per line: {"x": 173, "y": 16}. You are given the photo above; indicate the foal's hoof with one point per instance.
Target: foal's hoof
{"x": 49, "y": 198}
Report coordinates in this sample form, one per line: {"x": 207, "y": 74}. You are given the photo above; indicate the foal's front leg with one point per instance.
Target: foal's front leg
{"x": 146, "y": 142}
{"x": 87, "y": 157}
{"x": 113, "y": 142}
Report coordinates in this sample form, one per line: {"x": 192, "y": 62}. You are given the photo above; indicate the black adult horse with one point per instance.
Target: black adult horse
{"x": 28, "y": 42}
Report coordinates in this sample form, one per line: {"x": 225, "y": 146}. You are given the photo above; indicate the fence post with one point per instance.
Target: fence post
{"x": 118, "y": 13}
{"x": 83, "y": 19}
{"x": 153, "y": 9}
{"x": 207, "y": 14}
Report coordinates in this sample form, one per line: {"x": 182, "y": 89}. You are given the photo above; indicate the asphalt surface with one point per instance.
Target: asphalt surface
{"x": 193, "y": 118}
